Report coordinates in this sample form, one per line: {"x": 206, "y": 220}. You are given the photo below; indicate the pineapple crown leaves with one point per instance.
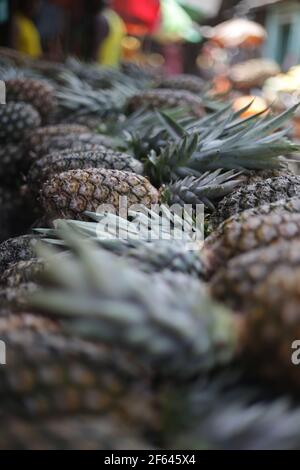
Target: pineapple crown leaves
{"x": 141, "y": 228}
{"x": 101, "y": 297}
{"x": 251, "y": 143}
{"x": 204, "y": 189}
{"x": 223, "y": 413}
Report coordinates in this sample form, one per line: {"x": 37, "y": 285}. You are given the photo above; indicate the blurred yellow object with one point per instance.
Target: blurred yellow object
{"x": 110, "y": 51}
{"x": 258, "y": 105}
{"x": 28, "y": 38}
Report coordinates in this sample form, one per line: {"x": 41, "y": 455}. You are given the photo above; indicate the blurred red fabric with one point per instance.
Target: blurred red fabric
{"x": 142, "y": 12}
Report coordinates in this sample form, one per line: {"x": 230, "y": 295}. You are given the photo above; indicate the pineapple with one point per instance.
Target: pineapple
{"x": 177, "y": 335}
{"x": 38, "y": 93}
{"x": 264, "y": 284}
{"x": 246, "y": 280}
{"x": 165, "y": 98}
{"x": 52, "y": 375}
{"x": 77, "y": 142}
{"x": 70, "y": 194}
{"x": 11, "y": 163}
{"x": 255, "y": 195}
{"x": 17, "y": 298}
{"x": 187, "y": 82}
{"x": 246, "y": 233}
{"x": 250, "y": 143}
{"x": 225, "y": 414}
{"x": 53, "y": 164}
{"x": 16, "y": 120}
{"x": 70, "y": 433}
{"x": 145, "y": 244}
{"x": 162, "y": 256}
{"x": 17, "y": 249}
{"x": 22, "y": 272}
{"x": 38, "y": 136}
{"x": 209, "y": 187}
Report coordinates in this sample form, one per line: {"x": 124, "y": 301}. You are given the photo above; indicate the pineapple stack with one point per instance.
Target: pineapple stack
{"x": 106, "y": 335}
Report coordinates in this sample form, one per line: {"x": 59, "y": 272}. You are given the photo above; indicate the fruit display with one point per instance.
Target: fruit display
{"x": 253, "y": 73}
{"x": 149, "y": 263}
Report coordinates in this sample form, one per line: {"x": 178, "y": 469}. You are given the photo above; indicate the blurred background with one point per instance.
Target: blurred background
{"x": 249, "y": 45}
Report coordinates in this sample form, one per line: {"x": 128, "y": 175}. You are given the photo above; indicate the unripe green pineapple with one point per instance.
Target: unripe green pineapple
{"x": 38, "y": 93}
{"x": 70, "y": 194}
{"x": 66, "y": 160}
{"x": 16, "y": 120}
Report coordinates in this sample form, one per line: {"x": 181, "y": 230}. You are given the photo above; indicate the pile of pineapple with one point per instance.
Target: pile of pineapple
{"x": 140, "y": 344}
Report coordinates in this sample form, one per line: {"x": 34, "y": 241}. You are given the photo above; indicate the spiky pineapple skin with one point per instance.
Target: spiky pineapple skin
{"x": 16, "y": 120}
{"x": 17, "y": 299}
{"x": 244, "y": 282}
{"x": 22, "y": 272}
{"x": 59, "y": 162}
{"x": 77, "y": 142}
{"x": 164, "y": 98}
{"x": 11, "y": 163}
{"x": 38, "y": 93}
{"x": 247, "y": 233}
{"x": 264, "y": 285}
{"x": 70, "y": 433}
{"x": 53, "y": 375}
{"x": 17, "y": 249}
{"x": 38, "y": 136}
{"x": 187, "y": 82}
{"x": 69, "y": 194}
{"x": 254, "y": 195}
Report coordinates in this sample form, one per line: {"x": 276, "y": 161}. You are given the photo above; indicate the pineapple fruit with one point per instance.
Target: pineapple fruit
{"x": 11, "y": 163}
{"x": 77, "y": 142}
{"x": 59, "y": 162}
{"x": 167, "y": 98}
{"x": 185, "y": 336}
{"x": 37, "y": 93}
{"x": 38, "y": 136}
{"x": 264, "y": 285}
{"x": 71, "y": 193}
{"x": 186, "y": 82}
{"x": 17, "y": 249}
{"x": 255, "y": 195}
{"x": 22, "y": 272}
{"x": 16, "y": 120}
{"x": 246, "y": 233}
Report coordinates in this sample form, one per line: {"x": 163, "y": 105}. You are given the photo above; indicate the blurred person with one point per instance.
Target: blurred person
{"x": 108, "y": 32}
{"x": 50, "y": 24}
{"x": 26, "y": 38}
